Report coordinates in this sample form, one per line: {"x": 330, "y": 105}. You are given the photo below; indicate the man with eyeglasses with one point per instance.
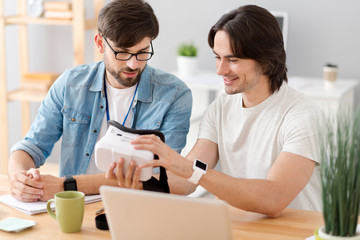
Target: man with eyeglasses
{"x": 82, "y": 100}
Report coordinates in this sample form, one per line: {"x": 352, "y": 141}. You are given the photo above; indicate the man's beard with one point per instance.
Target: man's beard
{"x": 126, "y": 82}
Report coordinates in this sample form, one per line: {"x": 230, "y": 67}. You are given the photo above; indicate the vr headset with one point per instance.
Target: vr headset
{"x": 116, "y": 144}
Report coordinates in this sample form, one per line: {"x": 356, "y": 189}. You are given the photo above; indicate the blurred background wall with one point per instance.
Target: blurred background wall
{"x": 319, "y": 31}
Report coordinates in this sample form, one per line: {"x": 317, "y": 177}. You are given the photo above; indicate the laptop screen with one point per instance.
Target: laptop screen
{"x": 135, "y": 214}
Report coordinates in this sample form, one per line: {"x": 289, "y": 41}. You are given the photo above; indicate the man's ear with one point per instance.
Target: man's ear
{"x": 99, "y": 43}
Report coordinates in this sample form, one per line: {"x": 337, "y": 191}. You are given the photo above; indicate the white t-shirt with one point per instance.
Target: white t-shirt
{"x": 119, "y": 101}
{"x": 250, "y": 139}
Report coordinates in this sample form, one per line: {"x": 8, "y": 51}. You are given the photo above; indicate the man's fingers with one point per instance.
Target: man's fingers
{"x": 33, "y": 183}
{"x": 27, "y": 189}
{"x": 137, "y": 172}
{"x": 148, "y": 142}
{"x": 129, "y": 174}
{"x": 110, "y": 172}
{"x": 153, "y": 163}
{"x": 119, "y": 172}
{"x": 22, "y": 178}
{"x": 33, "y": 173}
{"x": 132, "y": 175}
{"x": 24, "y": 197}
{"x": 137, "y": 184}
{"x": 24, "y": 187}
{"x": 151, "y": 137}
{"x": 25, "y": 193}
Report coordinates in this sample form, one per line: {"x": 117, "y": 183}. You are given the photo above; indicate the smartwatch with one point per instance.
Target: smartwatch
{"x": 70, "y": 184}
{"x": 200, "y": 169}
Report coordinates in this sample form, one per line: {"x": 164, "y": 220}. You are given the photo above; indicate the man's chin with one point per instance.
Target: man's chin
{"x": 128, "y": 82}
{"x": 231, "y": 91}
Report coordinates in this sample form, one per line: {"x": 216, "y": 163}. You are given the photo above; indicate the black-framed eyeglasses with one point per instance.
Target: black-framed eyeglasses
{"x": 124, "y": 56}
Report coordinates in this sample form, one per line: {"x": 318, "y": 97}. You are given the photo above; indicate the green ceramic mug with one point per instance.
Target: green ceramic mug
{"x": 69, "y": 210}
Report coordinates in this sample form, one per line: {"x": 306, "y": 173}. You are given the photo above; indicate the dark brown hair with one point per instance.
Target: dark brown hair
{"x": 127, "y": 22}
{"x": 255, "y": 34}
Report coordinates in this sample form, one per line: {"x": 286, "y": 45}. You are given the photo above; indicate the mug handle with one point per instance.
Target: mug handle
{"x": 48, "y": 208}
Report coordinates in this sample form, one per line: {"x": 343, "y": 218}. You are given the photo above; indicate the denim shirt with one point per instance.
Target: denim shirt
{"x": 74, "y": 109}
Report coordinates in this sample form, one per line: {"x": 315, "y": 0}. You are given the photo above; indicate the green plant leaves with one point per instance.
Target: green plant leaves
{"x": 340, "y": 169}
{"x": 187, "y": 50}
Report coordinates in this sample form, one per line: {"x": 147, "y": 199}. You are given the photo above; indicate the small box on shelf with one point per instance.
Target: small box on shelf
{"x": 58, "y": 10}
{"x": 57, "y": 6}
{"x": 38, "y": 81}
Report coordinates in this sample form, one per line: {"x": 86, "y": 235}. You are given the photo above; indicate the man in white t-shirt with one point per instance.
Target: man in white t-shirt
{"x": 262, "y": 132}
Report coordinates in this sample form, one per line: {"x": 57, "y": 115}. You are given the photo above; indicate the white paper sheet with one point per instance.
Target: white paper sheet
{"x": 37, "y": 207}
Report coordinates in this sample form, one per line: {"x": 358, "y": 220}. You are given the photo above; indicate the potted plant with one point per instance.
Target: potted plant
{"x": 340, "y": 177}
{"x": 187, "y": 59}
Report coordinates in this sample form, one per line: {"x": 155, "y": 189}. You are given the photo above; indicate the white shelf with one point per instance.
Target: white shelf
{"x": 79, "y": 24}
{"x": 203, "y": 79}
{"x": 329, "y": 100}
{"x": 315, "y": 87}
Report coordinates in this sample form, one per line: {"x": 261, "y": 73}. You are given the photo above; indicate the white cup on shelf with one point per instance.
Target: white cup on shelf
{"x": 330, "y": 74}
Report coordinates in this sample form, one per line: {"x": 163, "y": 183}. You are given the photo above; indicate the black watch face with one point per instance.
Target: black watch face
{"x": 200, "y": 165}
{"x": 71, "y": 185}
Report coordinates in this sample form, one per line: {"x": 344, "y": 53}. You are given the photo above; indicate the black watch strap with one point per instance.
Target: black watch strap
{"x": 70, "y": 183}
{"x": 160, "y": 185}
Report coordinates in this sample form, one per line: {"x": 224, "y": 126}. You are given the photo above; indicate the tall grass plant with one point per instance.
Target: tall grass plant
{"x": 340, "y": 173}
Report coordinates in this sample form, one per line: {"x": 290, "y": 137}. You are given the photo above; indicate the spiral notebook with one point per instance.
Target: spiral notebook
{"x": 37, "y": 207}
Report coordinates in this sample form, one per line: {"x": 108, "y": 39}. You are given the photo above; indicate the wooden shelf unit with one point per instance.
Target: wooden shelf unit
{"x": 79, "y": 25}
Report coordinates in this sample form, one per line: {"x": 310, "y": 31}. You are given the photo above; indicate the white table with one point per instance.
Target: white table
{"x": 329, "y": 100}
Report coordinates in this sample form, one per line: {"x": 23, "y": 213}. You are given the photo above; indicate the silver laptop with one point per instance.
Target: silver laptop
{"x": 143, "y": 215}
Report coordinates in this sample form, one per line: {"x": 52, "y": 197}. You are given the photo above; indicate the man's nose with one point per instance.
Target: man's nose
{"x": 222, "y": 68}
{"x": 132, "y": 63}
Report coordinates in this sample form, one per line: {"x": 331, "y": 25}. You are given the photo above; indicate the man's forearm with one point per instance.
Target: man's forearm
{"x": 179, "y": 185}
{"x": 255, "y": 195}
{"x": 90, "y": 184}
{"x": 19, "y": 160}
